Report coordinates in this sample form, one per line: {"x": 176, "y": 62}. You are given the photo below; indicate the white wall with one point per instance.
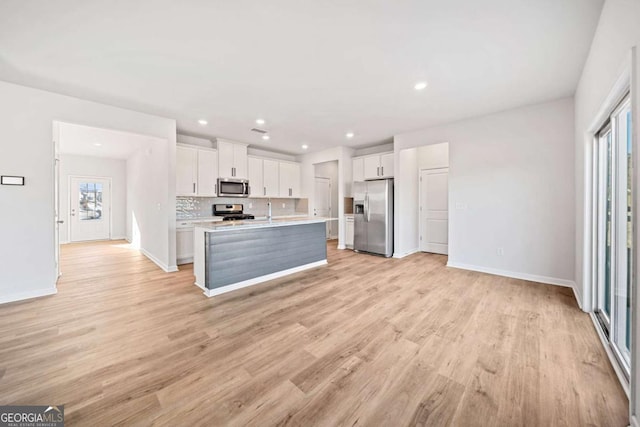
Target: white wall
{"x": 116, "y": 169}
{"x": 618, "y": 31}
{"x": 27, "y": 229}
{"x": 511, "y": 185}
{"x": 145, "y": 192}
{"x": 330, "y": 170}
{"x": 614, "y": 49}
{"x": 405, "y": 200}
{"x": 433, "y": 156}
{"x": 345, "y": 174}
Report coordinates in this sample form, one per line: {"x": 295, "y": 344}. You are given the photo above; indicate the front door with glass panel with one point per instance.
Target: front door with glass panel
{"x": 613, "y": 231}
{"x": 90, "y": 210}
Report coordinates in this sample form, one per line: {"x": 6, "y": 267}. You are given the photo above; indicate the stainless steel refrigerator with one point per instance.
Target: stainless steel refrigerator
{"x": 373, "y": 216}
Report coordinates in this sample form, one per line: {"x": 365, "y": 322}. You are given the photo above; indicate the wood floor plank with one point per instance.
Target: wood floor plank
{"x": 362, "y": 341}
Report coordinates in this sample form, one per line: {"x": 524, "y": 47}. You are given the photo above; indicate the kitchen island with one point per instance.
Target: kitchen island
{"x": 231, "y": 255}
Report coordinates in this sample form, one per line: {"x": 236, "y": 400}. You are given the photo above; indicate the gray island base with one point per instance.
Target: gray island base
{"x": 232, "y": 255}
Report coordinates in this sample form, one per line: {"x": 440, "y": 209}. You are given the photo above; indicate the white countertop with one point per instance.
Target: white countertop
{"x": 255, "y": 223}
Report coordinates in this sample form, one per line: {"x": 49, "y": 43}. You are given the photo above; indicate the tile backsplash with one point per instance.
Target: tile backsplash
{"x": 199, "y": 207}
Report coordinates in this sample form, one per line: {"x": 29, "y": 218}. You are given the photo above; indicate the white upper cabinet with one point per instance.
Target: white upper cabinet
{"x": 372, "y": 167}
{"x": 358, "y": 169}
{"x": 196, "y": 171}
{"x": 386, "y": 165}
{"x": 207, "y": 173}
{"x": 290, "y": 178}
{"x": 271, "y": 178}
{"x": 256, "y": 176}
{"x": 186, "y": 171}
{"x": 232, "y": 160}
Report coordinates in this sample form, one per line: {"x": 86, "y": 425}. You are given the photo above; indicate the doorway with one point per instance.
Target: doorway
{"x": 613, "y": 231}
{"x": 89, "y": 208}
{"x": 325, "y": 195}
{"x": 322, "y": 207}
{"x": 434, "y": 210}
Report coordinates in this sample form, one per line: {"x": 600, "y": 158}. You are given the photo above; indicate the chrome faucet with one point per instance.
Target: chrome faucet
{"x": 269, "y": 213}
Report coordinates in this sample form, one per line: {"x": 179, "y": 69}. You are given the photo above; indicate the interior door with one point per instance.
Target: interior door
{"x": 434, "y": 211}
{"x": 322, "y": 202}
{"x": 90, "y": 208}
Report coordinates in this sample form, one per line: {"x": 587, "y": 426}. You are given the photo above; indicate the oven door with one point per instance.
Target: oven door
{"x": 230, "y": 187}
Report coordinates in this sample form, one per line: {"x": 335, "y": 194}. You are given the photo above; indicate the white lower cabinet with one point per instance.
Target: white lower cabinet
{"x": 349, "y": 231}
{"x": 184, "y": 245}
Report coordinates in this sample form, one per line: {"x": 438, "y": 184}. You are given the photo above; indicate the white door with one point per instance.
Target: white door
{"x": 386, "y": 165}
{"x": 271, "y": 178}
{"x": 434, "y": 211}
{"x": 322, "y": 203}
{"x": 207, "y": 173}
{"x": 90, "y": 208}
{"x": 371, "y": 167}
{"x": 186, "y": 171}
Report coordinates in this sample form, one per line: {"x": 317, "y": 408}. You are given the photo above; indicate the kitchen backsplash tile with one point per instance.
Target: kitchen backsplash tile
{"x": 199, "y": 207}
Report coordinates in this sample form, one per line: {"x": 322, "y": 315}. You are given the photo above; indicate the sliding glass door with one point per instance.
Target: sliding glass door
{"x": 614, "y": 231}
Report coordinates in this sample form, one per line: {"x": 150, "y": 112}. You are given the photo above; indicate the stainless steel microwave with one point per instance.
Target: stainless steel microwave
{"x": 233, "y": 187}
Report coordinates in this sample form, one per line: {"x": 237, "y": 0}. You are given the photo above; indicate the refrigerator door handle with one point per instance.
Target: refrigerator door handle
{"x": 367, "y": 212}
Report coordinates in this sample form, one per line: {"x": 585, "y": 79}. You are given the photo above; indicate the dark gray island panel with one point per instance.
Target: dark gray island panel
{"x": 238, "y": 255}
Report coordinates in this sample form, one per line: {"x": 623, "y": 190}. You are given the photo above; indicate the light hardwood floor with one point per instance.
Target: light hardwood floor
{"x": 363, "y": 341}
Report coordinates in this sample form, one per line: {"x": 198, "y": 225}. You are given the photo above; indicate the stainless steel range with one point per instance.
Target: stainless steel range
{"x": 231, "y": 212}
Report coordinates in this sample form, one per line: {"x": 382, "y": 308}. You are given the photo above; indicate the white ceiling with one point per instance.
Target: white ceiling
{"x": 313, "y": 69}
{"x": 82, "y": 140}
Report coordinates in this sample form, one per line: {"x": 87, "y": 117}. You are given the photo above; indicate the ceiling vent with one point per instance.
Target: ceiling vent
{"x": 258, "y": 130}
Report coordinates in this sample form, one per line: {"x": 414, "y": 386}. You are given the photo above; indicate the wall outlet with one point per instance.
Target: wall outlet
{"x": 500, "y": 251}
{"x": 284, "y": 205}
{"x": 250, "y": 205}
{"x": 461, "y": 206}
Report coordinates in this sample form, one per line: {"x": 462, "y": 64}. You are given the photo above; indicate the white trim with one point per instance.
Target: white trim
{"x": 265, "y": 278}
{"x": 163, "y": 266}
{"x": 19, "y": 296}
{"x": 118, "y": 238}
{"x": 514, "y": 275}
{"x": 342, "y": 247}
{"x": 577, "y": 296}
{"x": 398, "y": 255}
{"x": 612, "y": 358}
{"x": 634, "y": 421}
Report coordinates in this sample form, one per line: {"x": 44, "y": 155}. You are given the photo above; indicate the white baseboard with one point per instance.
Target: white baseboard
{"x": 19, "y": 296}
{"x": 342, "y": 247}
{"x": 578, "y": 296}
{"x": 118, "y": 238}
{"x": 404, "y": 254}
{"x": 255, "y": 281}
{"x": 612, "y": 358}
{"x": 163, "y": 266}
{"x": 634, "y": 421}
{"x": 514, "y": 275}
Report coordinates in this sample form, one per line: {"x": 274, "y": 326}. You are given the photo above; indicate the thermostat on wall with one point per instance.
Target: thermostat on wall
{"x": 11, "y": 180}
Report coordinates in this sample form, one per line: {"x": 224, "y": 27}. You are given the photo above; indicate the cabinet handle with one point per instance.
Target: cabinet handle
{"x": 216, "y": 189}
{"x": 194, "y": 187}
{"x": 378, "y": 171}
{"x": 264, "y": 191}
{"x": 382, "y": 170}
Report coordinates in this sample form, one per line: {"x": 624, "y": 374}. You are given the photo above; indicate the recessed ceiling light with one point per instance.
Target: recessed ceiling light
{"x": 305, "y": 146}
{"x": 203, "y": 122}
{"x": 265, "y": 137}
{"x": 260, "y": 121}
{"x": 97, "y": 144}
{"x": 420, "y": 85}
{"x": 350, "y": 135}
